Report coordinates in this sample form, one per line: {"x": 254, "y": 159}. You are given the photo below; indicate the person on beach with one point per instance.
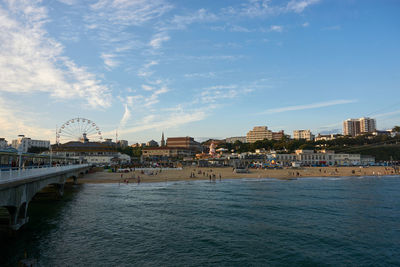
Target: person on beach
{"x": 220, "y": 177}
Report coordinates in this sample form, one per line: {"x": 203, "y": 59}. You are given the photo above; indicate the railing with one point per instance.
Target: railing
{"x": 13, "y": 174}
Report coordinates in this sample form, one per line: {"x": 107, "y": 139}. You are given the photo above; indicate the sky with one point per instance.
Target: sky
{"x": 204, "y": 68}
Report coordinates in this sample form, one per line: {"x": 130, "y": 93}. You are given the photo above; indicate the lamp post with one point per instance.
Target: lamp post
{"x": 51, "y": 155}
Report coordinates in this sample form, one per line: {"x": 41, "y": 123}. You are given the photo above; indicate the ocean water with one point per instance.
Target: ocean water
{"x": 248, "y": 222}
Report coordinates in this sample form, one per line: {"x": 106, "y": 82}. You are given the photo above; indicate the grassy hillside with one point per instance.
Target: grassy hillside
{"x": 381, "y": 152}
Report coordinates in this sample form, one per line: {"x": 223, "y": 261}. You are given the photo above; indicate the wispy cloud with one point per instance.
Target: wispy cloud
{"x": 387, "y": 114}
{"x": 32, "y": 62}
{"x": 179, "y": 22}
{"x": 14, "y": 120}
{"x": 158, "y": 39}
{"x": 145, "y": 70}
{"x": 200, "y": 75}
{"x": 217, "y": 93}
{"x": 298, "y": 6}
{"x": 265, "y": 8}
{"x": 128, "y": 12}
{"x": 109, "y": 60}
{"x": 125, "y": 118}
{"x": 309, "y": 106}
{"x": 165, "y": 122}
{"x": 276, "y": 28}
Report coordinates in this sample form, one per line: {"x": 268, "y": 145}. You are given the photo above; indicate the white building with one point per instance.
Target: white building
{"x": 327, "y": 137}
{"x": 306, "y": 158}
{"x": 323, "y": 157}
{"x": 24, "y": 143}
{"x": 3, "y": 143}
{"x": 303, "y": 134}
{"x": 347, "y": 159}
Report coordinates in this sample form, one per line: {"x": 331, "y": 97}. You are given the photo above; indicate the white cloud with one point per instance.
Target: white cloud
{"x": 212, "y": 94}
{"x": 181, "y": 22}
{"x": 31, "y": 61}
{"x": 14, "y": 121}
{"x": 68, "y": 2}
{"x": 128, "y": 12}
{"x": 305, "y": 24}
{"x": 166, "y": 121}
{"x": 387, "y": 114}
{"x": 237, "y": 28}
{"x": 298, "y": 6}
{"x": 109, "y": 60}
{"x": 200, "y": 75}
{"x": 265, "y": 8}
{"x": 310, "y": 106}
{"x": 125, "y": 117}
{"x": 145, "y": 70}
{"x": 276, "y": 28}
{"x": 147, "y": 87}
{"x": 158, "y": 39}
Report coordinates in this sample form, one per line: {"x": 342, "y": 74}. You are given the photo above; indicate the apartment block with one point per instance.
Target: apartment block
{"x": 260, "y": 133}
{"x": 303, "y": 134}
{"x": 354, "y": 127}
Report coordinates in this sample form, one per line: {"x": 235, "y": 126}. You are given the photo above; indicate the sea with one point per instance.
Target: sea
{"x": 342, "y": 221}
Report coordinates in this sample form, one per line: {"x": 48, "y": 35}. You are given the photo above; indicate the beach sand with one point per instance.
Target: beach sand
{"x": 227, "y": 173}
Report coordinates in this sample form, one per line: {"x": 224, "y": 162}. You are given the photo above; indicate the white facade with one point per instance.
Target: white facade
{"x": 326, "y": 137}
{"x": 323, "y": 157}
{"x": 347, "y": 159}
{"x": 306, "y": 158}
{"x": 24, "y": 143}
{"x": 303, "y": 134}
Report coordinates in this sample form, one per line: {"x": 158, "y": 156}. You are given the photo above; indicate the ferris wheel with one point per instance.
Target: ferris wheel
{"x": 78, "y": 129}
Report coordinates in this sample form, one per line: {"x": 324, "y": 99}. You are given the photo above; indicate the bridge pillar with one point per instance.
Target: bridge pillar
{"x": 59, "y": 190}
{"x": 18, "y": 216}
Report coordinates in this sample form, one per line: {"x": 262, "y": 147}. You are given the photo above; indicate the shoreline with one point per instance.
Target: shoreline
{"x": 203, "y": 173}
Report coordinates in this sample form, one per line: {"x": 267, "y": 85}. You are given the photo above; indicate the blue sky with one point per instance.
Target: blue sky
{"x": 197, "y": 68}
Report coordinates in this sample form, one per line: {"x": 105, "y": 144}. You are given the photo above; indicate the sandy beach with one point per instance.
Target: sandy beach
{"x": 227, "y": 173}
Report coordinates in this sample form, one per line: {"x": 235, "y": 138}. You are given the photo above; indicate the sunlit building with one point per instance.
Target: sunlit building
{"x": 23, "y": 144}
{"x": 354, "y": 127}
{"x": 303, "y": 134}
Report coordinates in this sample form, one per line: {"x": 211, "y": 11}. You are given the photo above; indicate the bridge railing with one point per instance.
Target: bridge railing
{"x": 16, "y": 173}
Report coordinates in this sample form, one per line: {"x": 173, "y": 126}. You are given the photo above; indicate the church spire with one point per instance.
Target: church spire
{"x": 162, "y": 139}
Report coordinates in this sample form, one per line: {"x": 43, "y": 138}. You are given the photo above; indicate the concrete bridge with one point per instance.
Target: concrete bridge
{"x": 18, "y": 187}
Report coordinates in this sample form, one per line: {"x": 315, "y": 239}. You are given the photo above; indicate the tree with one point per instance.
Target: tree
{"x": 396, "y": 129}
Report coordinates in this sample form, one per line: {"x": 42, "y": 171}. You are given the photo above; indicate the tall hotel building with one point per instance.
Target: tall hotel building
{"x": 354, "y": 127}
{"x": 260, "y": 133}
